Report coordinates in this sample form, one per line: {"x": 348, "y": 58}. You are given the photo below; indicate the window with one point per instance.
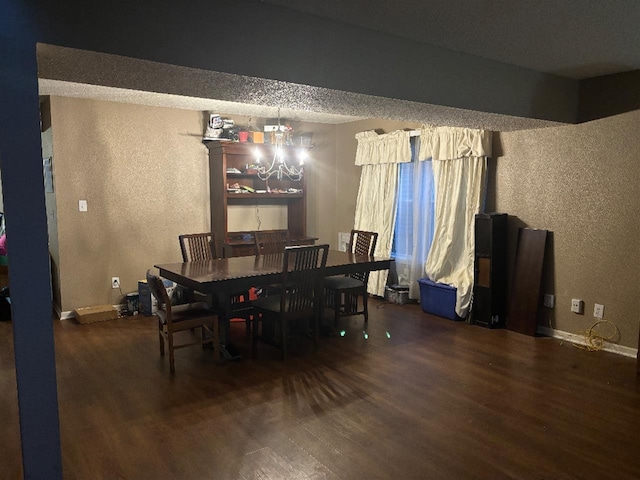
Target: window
{"x": 413, "y": 230}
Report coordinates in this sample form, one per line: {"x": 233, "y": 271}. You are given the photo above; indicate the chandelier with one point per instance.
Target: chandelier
{"x": 279, "y": 166}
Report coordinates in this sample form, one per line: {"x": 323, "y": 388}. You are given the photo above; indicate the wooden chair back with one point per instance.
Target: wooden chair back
{"x": 159, "y": 291}
{"x": 362, "y": 243}
{"x": 303, "y": 271}
{"x": 196, "y": 246}
{"x": 270, "y": 241}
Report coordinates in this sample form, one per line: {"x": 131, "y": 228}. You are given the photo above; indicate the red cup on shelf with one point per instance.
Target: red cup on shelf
{"x": 243, "y": 136}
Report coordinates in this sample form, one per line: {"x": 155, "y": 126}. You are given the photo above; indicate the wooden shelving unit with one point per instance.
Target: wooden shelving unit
{"x": 233, "y": 155}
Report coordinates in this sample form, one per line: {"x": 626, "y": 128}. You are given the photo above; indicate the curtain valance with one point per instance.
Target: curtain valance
{"x": 448, "y": 143}
{"x": 375, "y": 149}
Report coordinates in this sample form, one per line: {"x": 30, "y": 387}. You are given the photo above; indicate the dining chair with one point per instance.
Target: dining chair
{"x": 179, "y": 318}
{"x": 342, "y": 292}
{"x": 196, "y": 246}
{"x": 296, "y": 309}
{"x": 240, "y": 302}
{"x": 202, "y": 246}
{"x": 270, "y": 241}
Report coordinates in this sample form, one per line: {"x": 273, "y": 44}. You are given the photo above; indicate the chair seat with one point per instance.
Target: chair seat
{"x": 341, "y": 283}
{"x": 271, "y": 303}
{"x": 181, "y": 313}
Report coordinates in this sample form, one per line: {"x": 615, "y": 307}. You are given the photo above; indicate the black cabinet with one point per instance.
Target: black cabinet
{"x": 489, "y": 305}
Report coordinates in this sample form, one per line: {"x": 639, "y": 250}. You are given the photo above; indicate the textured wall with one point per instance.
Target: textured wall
{"x": 321, "y": 188}
{"x": 347, "y": 176}
{"x": 144, "y": 173}
{"x": 579, "y": 182}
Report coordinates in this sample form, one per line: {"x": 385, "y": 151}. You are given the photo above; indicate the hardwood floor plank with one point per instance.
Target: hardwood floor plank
{"x": 416, "y": 397}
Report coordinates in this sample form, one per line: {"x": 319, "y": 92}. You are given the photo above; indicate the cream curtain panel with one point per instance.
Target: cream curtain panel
{"x": 448, "y": 143}
{"x": 379, "y": 156}
{"x": 459, "y": 159}
{"x": 374, "y": 149}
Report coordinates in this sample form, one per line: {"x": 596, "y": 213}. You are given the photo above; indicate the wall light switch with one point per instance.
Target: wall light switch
{"x": 343, "y": 241}
{"x": 82, "y": 205}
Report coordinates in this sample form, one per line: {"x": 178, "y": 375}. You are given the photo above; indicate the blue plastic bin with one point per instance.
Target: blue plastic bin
{"x": 438, "y": 299}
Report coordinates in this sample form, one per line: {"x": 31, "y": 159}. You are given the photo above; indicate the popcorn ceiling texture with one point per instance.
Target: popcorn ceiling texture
{"x": 579, "y": 182}
{"x": 147, "y": 82}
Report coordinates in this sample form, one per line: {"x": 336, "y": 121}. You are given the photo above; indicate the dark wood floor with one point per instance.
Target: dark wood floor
{"x": 436, "y": 400}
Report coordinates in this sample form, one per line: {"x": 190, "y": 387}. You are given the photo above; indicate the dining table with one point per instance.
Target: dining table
{"x": 225, "y": 277}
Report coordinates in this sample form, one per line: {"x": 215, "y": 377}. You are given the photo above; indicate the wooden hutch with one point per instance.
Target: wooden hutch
{"x": 229, "y": 164}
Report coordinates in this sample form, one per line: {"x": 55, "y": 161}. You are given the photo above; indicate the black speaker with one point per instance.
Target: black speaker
{"x": 489, "y": 305}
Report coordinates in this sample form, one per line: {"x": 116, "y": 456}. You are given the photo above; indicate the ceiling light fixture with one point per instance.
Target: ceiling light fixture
{"x": 279, "y": 166}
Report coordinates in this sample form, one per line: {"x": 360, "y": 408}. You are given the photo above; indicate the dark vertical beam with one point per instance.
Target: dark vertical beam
{"x": 24, "y": 205}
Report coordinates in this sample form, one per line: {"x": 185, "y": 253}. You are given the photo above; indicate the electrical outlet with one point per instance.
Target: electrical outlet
{"x": 598, "y": 310}
{"x": 343, "y": 241}
{"x": 549, "y": 300}
{"x": 115, "y": 282}
{"x": 577, "y": 305}
{"x": 82, "y": 206}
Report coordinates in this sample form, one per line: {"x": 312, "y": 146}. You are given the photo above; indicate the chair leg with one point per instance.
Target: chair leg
{"x": 316, "y": 328}
{"x": 365, "y": 296}
{"x": 172, "y": 367}
{"x": 203, "y": 337}
{"x": 284, "y": 328}
{"x": 161, "y": 339}
{"x": 216, "y": 337}
{"x": 254, "y": 340}
{"x": 337, "y": 298}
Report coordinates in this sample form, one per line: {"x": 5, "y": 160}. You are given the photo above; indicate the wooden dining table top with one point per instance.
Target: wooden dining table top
{"x": 209, "y": 275}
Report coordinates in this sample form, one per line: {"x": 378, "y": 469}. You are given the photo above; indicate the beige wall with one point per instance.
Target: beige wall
{"x": 347, "y": 175}
{"x": 321, "y": 187}
{"x": 144, "y": 173}
{"x": 579, "y": 182}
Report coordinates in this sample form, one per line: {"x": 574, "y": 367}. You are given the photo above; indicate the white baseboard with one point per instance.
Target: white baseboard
{"x": 580, "y": 340}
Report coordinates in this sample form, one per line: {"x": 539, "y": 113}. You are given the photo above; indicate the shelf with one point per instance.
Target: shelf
{"x": 225, "y": 156}
{"x": 265, "y": 195}
{"x": 255, "y": 176}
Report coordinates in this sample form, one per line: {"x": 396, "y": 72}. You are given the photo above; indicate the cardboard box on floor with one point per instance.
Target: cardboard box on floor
{"x": 99, "y": 313}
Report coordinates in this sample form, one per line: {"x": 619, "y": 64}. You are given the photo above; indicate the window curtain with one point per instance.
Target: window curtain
{"x": 379, "y": 156}
{"x": 414, "y": 220}
{"x": 459, "y": 158}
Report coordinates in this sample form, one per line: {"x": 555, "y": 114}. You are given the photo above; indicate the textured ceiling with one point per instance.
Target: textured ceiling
{"x": 572, "y": 38}
{"x": 70, "y": 72}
